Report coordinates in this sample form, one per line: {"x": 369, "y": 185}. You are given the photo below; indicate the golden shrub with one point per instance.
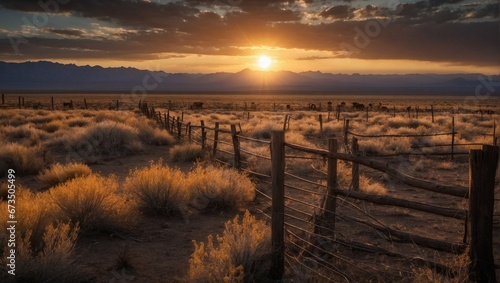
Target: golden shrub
{"x": 158, "y": 188}
{"x": 219, "y": 187}
{"x": 94, "y": 203}
{"x": 59, "y": 173}
{"x": 240, "y": 256}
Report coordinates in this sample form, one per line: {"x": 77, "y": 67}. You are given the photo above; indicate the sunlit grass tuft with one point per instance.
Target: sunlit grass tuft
{"x": 94, "y": 203}
{"x": 186, "y": 152}
{"x": 23, "y": 159}
{"x": 219, "y": 188}
{"x": 58, "y": 173}
{"x": 158, "y": 188}
{"x": 240, "y": 255}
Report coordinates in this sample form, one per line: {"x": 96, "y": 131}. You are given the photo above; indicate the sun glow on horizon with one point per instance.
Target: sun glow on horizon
{"x": 264, "y": 62}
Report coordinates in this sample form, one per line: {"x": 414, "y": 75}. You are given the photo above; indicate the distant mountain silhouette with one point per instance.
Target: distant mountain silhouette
{"x": 48, "y": 76}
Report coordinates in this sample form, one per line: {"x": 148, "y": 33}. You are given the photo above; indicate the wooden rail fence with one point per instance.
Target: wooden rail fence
{"x": 478, "y": 216}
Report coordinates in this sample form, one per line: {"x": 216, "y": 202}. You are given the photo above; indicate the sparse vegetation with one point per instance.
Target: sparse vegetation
{"x": 219, "y": 188}
{"x": 94, "y": 203}
{"x": 187, "y": 152}
{"x": 23, "y": 159}
{"x": 59, "y": 173}
{"x": 53, "y": 263}
{"x": 158, "y": 188}
{"x": 240, "y": 255}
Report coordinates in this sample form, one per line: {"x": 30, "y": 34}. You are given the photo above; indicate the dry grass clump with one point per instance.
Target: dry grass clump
{"x": 24, "y": 160}
{"x": 78, "y": 122}
{"x": 53, "y": 126}
{"x": 261, "y": 130}
{"x": 53, "y": 263}
{"x": 241, "y": 255}
{"x": 367, "y": 185}
{"x": 59, "y": 173}
{"x": 94, "y": 203}
{"x": 34, "y": 213}
{"x": 219, "y": 188}
{"x": 186, "y": 152}
{"x": 105, "y": 139}
{"x": 149, "y": 133}
{"x": 159, "y": 188}
{"x": 25, "y": 134}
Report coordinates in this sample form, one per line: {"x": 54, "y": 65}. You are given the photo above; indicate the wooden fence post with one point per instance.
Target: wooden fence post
{"x": 346, "y": 131}
{"x": 452, "y": 136}
{"x": 328, "y": 120}
{"x": 172, "y": 126}
{"x": 274, "y": 106}
{"x": 179, "y": 128}
{"x": 216, "y": 138}
{"x": 85, "y": 103}
{"x": 287, "y": 120}
{"x": 320, "y": 123}
{"x": 117, "y": 104}
{"x": 165, "y": 121}
{"x": 188, "y": 129}
{"x": 19, "y": 102}
{"x": 394, "y": 111}
{"x": 432, "y": 113}
{"x": 482, "y": 168}
{"x": 236, "y": 146}
{"x": 182, "y": 116}
{"x": 168, "y": 120}
{"x": 52, "y": 102}
{"x": 169, "y": 104}
{"x": 278, "y": 205}
{"x": 3, "y": 98}
{"x": 331, "y": 201}
{"x": 355, "y": 166}
{"x": 23, "y": 101}
{"x": 203, "y": 134}
{"x": 366, "y": 114}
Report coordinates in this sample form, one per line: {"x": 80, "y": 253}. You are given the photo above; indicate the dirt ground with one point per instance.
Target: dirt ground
{"x": 160, "y": 247}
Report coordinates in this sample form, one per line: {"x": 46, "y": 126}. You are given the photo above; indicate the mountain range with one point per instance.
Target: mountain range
{"x": 46, "y": 76}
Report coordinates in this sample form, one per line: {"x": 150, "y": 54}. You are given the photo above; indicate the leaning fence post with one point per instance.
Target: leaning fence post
{"x": 452, "y": 136}
{"x": 236, "y": 146}
{"x": 286, "y": 119}
{"x": 355, "y": 166}
{"x": 278, "y": 205}
{"x": 203, "y": 134}
{"x": 216, "y": 138}
{"x": 482, "y": 168}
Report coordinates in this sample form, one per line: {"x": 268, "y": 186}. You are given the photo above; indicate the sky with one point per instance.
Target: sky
{"x": 195, "y": 36}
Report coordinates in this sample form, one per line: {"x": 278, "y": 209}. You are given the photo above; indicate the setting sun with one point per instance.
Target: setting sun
{"x": 264, "y": 62}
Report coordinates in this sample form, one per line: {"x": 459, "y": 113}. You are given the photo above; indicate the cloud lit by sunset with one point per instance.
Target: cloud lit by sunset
{"x": 209, "y": 36}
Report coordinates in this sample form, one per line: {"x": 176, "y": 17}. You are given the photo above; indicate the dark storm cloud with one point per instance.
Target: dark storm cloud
{"x": 67, "y": 32}
{"x": 425, "y": 30}
{"x": 338, "y": 12}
